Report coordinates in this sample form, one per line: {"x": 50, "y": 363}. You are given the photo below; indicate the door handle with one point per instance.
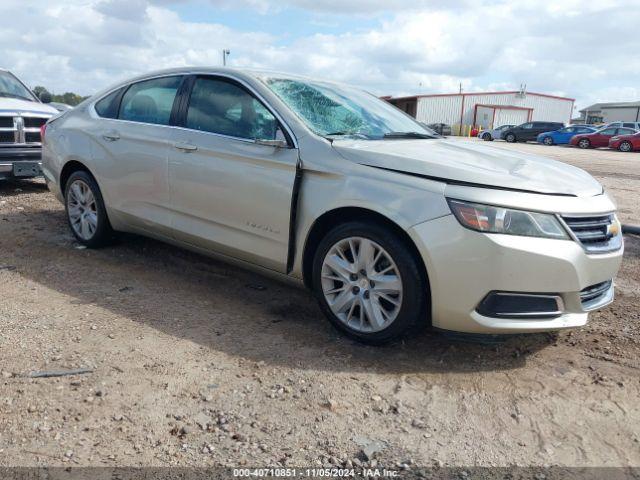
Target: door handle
{"x": 111, "y": 136}
{"x": 185, "y": 147}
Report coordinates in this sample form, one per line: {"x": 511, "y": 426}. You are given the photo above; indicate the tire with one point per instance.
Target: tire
{"x": 86, "y": 214}
{"x": 625, "y": 147}
{"x": 510, "y": 137}
{"x": 487, "y": 137}
{"x": 337, "y": 285}
{"x": 547, "y": 141}
{"x": 584, "y": 143}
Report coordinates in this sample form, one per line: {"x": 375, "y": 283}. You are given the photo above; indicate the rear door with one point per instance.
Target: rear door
{"x": 132, "y": 151}
{"x": 231, "y": 192}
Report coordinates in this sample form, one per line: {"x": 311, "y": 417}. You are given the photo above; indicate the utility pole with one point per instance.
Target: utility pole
{"x": 225, "y": 53}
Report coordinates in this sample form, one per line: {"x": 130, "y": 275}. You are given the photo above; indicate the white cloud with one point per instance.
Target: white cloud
{"x": 583, "y": 49}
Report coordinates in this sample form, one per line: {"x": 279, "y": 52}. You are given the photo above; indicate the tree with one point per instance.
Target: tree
{"x": 69, "y": 98}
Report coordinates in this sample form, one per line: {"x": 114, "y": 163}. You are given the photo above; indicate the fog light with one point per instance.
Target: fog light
{"x": 520, "y": 305}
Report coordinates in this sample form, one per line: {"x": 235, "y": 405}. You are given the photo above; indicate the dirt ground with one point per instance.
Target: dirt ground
{"x": 196, "y": 363}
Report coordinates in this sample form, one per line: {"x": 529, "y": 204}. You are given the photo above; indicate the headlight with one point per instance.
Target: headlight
{"x": 490, "y": 219}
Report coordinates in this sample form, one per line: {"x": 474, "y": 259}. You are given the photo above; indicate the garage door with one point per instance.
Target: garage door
{"x": 510, "y": 116}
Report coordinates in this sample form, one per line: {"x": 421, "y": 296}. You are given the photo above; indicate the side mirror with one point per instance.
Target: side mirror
{"x": 45, "y": 97}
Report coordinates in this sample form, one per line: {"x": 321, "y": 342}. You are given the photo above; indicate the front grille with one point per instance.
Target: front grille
{"x": 17, "y": 130}
{"x": 34, "y": 122}
{"x": 32, "y": 137}
{"x": 595, "y": 233}
{"x": 592, "y": 294}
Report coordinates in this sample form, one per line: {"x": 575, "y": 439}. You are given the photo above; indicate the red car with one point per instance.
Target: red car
{"x": 599, "y": 138}
{"x": 625, "y": 143}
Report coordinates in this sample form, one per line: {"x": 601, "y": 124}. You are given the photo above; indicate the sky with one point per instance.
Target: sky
{"x": 583, "y": 49}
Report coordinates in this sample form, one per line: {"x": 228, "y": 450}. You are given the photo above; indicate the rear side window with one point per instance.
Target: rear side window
{"x": 218, "y": 106}
{"x": 608, "y": 131}
{"x": 150, "y": 101}
{"x": 625, "y": 131}
{"x": 108, "y": 106}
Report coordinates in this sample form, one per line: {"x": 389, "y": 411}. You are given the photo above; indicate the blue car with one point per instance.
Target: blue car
{"x": 563, "y": 136}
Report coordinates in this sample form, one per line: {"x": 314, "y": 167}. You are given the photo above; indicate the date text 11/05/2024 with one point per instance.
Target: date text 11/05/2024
{"x": 315, "y": 472}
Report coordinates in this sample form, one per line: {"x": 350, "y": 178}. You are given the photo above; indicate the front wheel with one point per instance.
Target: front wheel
{"x": 487, "y": 137}
{"x": 625, "y": 147}
{"x": 511, "y": 138}
{"x": 547, "y": 141}
{"x": 368, "y": 283}
{"x": 85, "y": 210}
{"x": 584, "y": 143}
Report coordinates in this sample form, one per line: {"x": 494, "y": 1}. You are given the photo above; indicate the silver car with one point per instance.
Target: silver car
{"x": 494, "y": 133}
{"x": 391, "y": 226}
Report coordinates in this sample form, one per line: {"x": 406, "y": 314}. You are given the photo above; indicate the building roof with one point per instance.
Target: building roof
{"x": 600, "y": 106}
{"x": 470, "y": 94}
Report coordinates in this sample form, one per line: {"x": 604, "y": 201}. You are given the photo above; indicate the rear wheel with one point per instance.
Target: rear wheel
{"x": 85, "y": 210}
{"x": 510, "y": 137}
{"x": 547, "y": 141}
{"x": 368, "y": 283}
{"x": 584, "y": 143}
{"x": 625, "y": 147}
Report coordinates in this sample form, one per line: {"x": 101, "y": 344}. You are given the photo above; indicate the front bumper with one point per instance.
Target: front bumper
{"x": 20, "y": 162}
{"x": 464, "y": 266}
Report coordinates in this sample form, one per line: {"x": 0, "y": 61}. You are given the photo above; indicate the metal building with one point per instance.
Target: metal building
{"x": 486, "y": 109}
{"x": 611, "y": 112}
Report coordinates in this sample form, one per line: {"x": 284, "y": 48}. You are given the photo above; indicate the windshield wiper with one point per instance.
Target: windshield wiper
{"x": 345, "y": 134}
{"x": 408, "y": 135}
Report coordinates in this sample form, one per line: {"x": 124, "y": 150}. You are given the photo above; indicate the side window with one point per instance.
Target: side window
{"x": 527, "y": 126}
{"x": 219, "y": 106}
{"x": 150, "y": 101}
{"x": 608, "y": 131}
{"x": 108, "y": 106}
{"x": 625, "y": 131}
{"x": 628, "y": 125}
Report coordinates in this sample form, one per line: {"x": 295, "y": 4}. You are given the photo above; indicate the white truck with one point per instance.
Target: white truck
{"x": 22, "y": 114}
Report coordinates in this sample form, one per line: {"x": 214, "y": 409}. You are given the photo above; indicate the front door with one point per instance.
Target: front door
{"x": 601, "y": 138}
{"x": 229, "y": 192}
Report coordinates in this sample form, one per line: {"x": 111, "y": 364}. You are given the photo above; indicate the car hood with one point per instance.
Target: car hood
{"x": 18, "y": 106}
{"x": 455, "y": 161}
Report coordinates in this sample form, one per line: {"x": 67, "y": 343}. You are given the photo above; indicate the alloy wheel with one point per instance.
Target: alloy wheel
{"x": 625, "y": 147}
{"x": 584, "y": 143}
{"x": 361, "y": 284}
{"x": 82, "y": 209}
{"x": 548, "y": 141}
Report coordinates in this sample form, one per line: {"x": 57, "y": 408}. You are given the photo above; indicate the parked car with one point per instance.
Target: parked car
{"x": 21, "y": 116}
{"x": 634, "y": 125}
{"x": 625, "y": 143}
{"x": 495, "y": 133}
{"x": 529, "y": 131}
{"x": 563, "y": 136}
{"x": 599, "y": 138}
{"x": 391, "y": 226}
{"x": 440, "y": 128}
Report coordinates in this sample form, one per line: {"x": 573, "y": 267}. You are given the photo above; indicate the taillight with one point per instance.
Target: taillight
{"x": 43, "y": 130}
